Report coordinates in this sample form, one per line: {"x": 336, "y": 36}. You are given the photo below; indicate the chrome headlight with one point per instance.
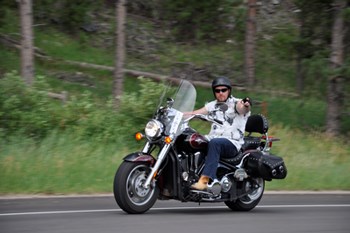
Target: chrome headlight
{"x": 153, "y": 129}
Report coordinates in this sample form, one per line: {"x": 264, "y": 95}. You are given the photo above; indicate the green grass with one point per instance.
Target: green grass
{"x": 58, "y": 164}
{"x": 64, "y": 47}
{"x": 314, "y": 161}
{"x": 61, "y": 164}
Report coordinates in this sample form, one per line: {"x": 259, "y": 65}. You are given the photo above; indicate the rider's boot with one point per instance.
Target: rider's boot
{"x": 202, "y": 183}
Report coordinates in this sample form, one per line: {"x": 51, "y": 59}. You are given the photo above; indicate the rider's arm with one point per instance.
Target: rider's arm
{"x": 198, "y": 111}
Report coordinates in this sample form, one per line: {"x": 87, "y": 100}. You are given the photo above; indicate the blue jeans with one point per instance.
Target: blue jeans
{"x": 217, "y": 147}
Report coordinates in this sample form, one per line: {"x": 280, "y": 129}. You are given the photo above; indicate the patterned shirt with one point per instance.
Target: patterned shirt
{"x": 233, "y": 123}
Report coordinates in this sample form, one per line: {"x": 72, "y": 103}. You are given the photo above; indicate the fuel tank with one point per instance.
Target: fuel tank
{"x": 191, "y": 141}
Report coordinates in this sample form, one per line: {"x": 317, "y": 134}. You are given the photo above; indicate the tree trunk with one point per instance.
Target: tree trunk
{"x": 27, "y": 54}
{"x": 120, "y": 52}
{"x": 300, "y": 56}
{"x": 250, "y": 33}
{"x": 334, "y": 89}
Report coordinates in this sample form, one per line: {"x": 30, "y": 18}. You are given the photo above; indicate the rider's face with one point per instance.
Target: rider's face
{"x": 221, "y": 93}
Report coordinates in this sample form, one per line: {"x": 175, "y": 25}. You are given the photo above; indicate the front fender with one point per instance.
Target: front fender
{"x": 140, "y": 157}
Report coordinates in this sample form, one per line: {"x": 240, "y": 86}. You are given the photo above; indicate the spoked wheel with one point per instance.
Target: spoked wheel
{"x": 129, "y": 192}
{"x": 251, "y": 200}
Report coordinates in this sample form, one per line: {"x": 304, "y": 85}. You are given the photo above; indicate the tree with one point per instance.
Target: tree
{"x": 312, "y": 45}
{"x": 335, "y": 81}
{"x": 120, "y": 52}
{"x": 301, "y": 54}
{"x": 250, "y": 34}
{"x": 27, "y": 53}
{"x": 197, "y": 20}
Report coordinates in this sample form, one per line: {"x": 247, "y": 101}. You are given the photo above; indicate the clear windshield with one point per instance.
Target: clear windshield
{"x": 185, "y": 97}
{"x": 184, "y": 101}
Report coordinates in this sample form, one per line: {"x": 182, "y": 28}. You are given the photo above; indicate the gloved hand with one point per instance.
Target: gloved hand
{"x": 247, "y": 102}
{"x": 243, "y": 107}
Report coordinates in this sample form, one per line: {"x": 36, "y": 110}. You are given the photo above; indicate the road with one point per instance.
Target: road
{"x": 280, "y": 213}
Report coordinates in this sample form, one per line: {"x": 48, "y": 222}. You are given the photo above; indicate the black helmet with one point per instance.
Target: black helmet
{"x": 221, "y": 81}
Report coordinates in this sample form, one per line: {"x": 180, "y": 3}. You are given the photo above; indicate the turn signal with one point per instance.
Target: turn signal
{"x": 168, "y": 139}
{"x": 138, "y": 136}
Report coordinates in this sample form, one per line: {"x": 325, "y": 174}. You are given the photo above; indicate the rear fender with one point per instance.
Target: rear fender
{"x": 140, "y": 157}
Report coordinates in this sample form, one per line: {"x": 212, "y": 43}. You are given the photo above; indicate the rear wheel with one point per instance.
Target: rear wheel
{"x": 129, "y": 192}
{"x": 248, "y": 202}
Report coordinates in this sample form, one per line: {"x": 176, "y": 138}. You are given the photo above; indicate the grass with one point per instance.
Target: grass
{"x": 61, "y": 164}
{"x": 314, "y": 161}
{"x": 60, "y": 46}
{"x": 58, "y": 164}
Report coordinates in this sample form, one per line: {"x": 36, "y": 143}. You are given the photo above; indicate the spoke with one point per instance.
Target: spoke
{"x": 137, "y": 193}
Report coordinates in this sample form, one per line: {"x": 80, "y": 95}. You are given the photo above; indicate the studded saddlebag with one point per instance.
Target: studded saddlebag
{"x": 266, "y": 166}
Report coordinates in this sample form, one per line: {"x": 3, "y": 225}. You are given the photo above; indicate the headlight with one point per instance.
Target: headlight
{"x": 153, "y": 129}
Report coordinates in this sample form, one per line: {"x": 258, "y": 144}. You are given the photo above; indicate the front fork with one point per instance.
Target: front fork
{"x": 156, "y": 166}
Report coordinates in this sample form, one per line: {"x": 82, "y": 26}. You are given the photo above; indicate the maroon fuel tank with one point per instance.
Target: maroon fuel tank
{"x": 197, "y": 141}
{"x": 191, "y": 141}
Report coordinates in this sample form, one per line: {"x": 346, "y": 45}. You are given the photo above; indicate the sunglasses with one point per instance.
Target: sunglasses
{"x": 221, "y": 90}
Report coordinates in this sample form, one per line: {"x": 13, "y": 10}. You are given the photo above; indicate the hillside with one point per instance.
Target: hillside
{"x": 150, "y": 48}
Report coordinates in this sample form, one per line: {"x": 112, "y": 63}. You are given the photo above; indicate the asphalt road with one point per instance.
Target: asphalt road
{"x": 280, "y": 213}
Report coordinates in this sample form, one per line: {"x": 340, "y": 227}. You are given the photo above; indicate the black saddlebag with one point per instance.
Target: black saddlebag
{"x": 266, "y": 166}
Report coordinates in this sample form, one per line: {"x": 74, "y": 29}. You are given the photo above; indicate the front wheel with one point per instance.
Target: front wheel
{"x": 249, "y": 201}
{"x": 129, "y": 192}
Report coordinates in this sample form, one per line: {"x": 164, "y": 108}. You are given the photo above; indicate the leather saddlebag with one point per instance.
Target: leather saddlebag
{"x": 266, "y": 166}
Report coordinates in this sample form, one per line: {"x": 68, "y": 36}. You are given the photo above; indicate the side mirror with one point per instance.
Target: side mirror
{"x": 222, "y": 107}
{"x": 169, "y": 102}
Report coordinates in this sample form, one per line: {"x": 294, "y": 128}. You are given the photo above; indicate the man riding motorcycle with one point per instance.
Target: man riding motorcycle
{"x": 225, "y": 140}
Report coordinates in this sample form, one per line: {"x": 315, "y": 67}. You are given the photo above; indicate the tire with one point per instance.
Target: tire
{"x": 249, "y": 201}
{"x": 129, "y": 193}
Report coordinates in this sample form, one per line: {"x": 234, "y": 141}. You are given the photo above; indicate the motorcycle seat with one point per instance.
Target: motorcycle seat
{"x": 251, "y": 143}
{"x": 234, "y": 160}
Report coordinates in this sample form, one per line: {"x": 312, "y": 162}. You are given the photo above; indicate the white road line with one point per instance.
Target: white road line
{"x": 60, "y": 212}
{"x": 168, "y": 208}
{"x": 322, "y": 192}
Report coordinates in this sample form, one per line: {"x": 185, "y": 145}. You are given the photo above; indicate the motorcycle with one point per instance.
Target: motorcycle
{"x": 173, "y": 158}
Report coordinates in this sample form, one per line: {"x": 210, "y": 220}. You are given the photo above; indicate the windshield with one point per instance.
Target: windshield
{"x": 185, "y": 97}
{"x": 183, "y": 100}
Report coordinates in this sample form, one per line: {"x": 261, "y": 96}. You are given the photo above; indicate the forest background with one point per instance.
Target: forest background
{"x": 75, "y": 143}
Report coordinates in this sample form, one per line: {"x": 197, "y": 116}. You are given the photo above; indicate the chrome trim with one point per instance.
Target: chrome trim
{"x": 242, "y": 161}
{"x": 160, "y": 159}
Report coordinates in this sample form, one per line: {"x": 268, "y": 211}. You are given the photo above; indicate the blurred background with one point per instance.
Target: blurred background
{"x": 79, "y": 78}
